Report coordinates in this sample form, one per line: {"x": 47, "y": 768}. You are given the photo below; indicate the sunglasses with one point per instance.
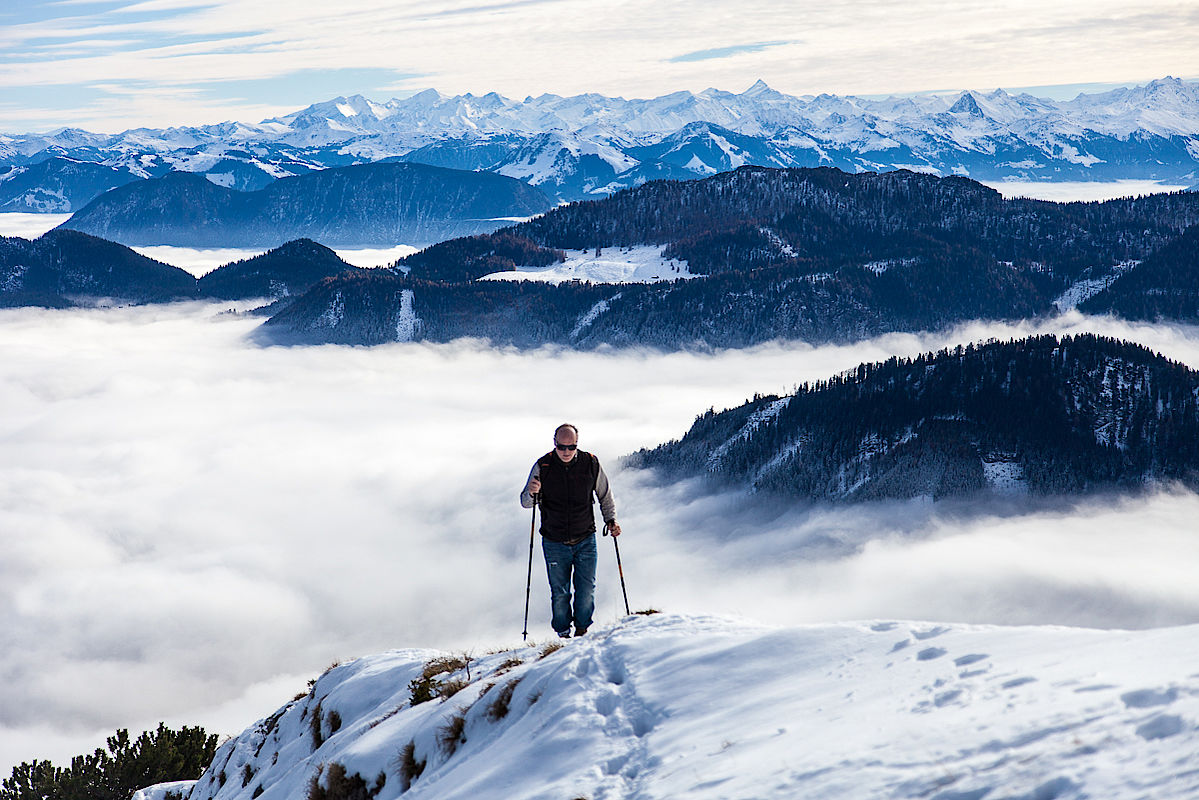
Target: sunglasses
{"x": 565, "y": 446}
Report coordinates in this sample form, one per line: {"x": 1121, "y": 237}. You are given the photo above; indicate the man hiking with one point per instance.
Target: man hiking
{"x": 567, "y": 481}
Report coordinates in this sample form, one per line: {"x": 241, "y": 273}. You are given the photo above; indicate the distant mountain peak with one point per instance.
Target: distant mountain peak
{"x": 759, "y": 89}
{"x": 966, "y": 104}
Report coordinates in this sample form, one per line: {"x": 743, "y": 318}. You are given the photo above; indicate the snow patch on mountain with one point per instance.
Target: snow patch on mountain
{"x": 640, "y": 264}
{"x": 1004, "y": 475}
{"x": 407, "y": 322}
{"x": 334, "y": 314}
{"x": 1085, "y": 289}
{"x": 592, "y": 315}
{"x": 701, "y": 707}
{"x": 879, "y": 267}
{"x": 755, "y": 421}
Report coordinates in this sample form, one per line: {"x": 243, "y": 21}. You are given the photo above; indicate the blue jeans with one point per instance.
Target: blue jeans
{"x": 560, "y": 561}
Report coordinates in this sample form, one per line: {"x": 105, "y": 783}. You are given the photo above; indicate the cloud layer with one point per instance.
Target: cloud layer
{"x": 193, "y": 525}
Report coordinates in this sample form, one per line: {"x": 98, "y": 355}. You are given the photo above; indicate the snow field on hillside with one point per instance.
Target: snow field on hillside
{"x": 642, "y": 264}
{"x": 672, "y": 706}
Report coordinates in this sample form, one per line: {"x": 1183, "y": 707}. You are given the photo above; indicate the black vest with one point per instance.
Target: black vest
{"x": 567, "y": 493}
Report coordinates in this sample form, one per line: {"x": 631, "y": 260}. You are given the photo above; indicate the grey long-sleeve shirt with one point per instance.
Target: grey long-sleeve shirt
{"x": 603, "y": 492}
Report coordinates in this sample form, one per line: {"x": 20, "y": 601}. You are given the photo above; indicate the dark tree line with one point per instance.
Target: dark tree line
{"x": 62, "y": 263}
{"x": 117, "y": 771}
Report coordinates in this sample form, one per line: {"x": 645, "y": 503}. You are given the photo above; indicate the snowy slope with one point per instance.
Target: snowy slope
{"x": 641, "y": 264}
{"x": 673, "y": 706}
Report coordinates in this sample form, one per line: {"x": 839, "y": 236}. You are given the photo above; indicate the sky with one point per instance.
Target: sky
{"x": 110, "y": 65}
{"x": 195, "y": 526}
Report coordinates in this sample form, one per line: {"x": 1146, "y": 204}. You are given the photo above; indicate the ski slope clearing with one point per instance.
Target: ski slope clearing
{"x": 643, "y": 264}
{"x": 672, "y": 706}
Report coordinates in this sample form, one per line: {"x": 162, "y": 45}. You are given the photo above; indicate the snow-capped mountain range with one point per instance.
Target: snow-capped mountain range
{"x": 591, "y": 145}
{"x": 671, "y": 706}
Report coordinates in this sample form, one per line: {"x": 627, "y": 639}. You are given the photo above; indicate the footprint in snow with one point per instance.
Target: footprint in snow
{"x": 1148, "y": 698}
{"x": 930, "y": 633}
{"x": 929, "y": 653}
{"x": 606, "y": 702}
{"x": 967, "y": 660}
{"x": 1161, "y": 727}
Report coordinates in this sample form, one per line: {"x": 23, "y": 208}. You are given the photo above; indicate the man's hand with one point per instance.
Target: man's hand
{"x": 612, "y": 528}
{"x": 534, "y": 485}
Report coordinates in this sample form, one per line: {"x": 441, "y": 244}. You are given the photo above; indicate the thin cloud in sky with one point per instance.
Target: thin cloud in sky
{"x": 572, "y": 46}
{"x": 725, "y": 52}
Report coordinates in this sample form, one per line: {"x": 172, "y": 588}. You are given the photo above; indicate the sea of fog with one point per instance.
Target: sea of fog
{"x": 197, "y": 260}
{"x": 194, "y": 525}
{"x": 1070, "y": 191}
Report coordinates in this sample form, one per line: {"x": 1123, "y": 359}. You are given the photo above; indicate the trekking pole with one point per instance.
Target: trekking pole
{"x": 620, "y": 569}
{"x": 529, "y": 581}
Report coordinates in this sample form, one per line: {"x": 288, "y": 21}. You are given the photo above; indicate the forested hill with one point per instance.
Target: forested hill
{"x": 63, "y": 268}
{"x": 369, "y": 204}
{"x": 1164, "y": 286}
{"x": 821, "y": 219}
{"x": 1038, "y": 415}
{"x": 289, "y": 269}
{"x": 62, "y": 264}
{"x": 812, "y": 254}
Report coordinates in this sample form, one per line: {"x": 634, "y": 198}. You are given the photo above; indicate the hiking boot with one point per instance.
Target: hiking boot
{"x": 564, "y": 634}
{"x": 580, "y": 631}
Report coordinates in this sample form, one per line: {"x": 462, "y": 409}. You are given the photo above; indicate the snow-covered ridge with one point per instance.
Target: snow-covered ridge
{"x": 1165, "y": 107}
{"x": 590, "y": 145}
{"x": 675, "y": 706}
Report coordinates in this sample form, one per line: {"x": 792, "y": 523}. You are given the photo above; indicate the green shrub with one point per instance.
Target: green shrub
{"x": 117, "y": 772}
{"x": 428, "y": 685}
